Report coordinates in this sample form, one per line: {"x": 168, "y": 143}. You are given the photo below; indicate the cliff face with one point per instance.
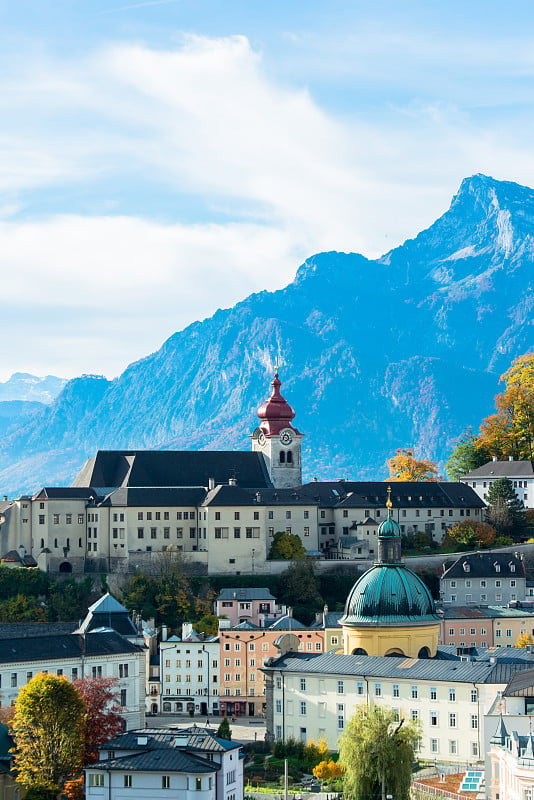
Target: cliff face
{"x": 405, "y": 350}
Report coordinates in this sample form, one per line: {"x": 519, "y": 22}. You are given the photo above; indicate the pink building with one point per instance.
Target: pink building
{"x": 257, "y": 606}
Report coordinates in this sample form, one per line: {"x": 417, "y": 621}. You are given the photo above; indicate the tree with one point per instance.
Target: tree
{"x": 224, "y": 731}
{"x": 377, "y": 752}
{"x": 505, "y": 511}
{"x": 104, "y": 720}
{"x": 524, "y": 640}
{"x": 405, "y": 467}
{"x": 299, "y": 584}
{"x": 21, "y": 608}
{"x": 286, "y": 546}
{"x": 469, "y": 535}
{"x": 208, "y": 624}
{"x": 468, "y": 454}
{"x": 49, "y": 728}
{"x": 328, "y": 770}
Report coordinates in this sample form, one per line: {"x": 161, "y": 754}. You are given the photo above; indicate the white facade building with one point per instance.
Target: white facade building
{"x": 189, "y": 671}
{"x": 159, "y": 763}
{"x": 313, "y": 697}
{"x": 520, "y": 473}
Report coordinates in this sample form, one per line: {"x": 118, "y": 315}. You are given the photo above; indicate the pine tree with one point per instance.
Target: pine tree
{"x": 505, "y": 511}
{"x": 224, "y": 731}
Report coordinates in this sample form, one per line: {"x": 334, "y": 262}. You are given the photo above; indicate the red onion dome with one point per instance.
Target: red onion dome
{"x": 276, "y": 413}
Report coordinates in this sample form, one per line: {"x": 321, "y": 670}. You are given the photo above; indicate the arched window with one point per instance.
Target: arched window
{"x": 282, "y": 457}
{"x": 424, "y": 652}
{"x": 289, "y": 457}
{"x": 359, "y": 651}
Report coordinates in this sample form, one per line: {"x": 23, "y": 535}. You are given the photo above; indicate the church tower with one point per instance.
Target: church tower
{"x": 278, "y": 440}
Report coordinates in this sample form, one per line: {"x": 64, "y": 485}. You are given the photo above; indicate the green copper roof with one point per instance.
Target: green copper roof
{"x": 389, "y": 528}
{"x": 389, "y": 595}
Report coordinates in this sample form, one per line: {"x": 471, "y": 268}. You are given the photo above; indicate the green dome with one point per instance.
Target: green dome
{"x": 389, "y": 528}
{"x": 389, "y": 595}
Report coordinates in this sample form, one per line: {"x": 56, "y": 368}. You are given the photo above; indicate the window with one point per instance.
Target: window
{"x": 198, "y": 782}
{"x": 453, "y": 747}
{"x": 127, "y": 781}
{"x": 415, "y": 714}
{"x": 340, "y": 687}
{"x": 41, "y": 519}
{"x": 303, "y": 709}
{"x": 434, "y": 746}
{"x": 236, "y": 514}
{"x": 123, "y": 670}
{"x": 68, "y": 519}
{"x": 474, "y": 721}
{"x": 123, "y": 698}
{"x": 278, "y": 706}
{"x": 165, "y": 781}
{"x": 96, "y": 780}
{"x": 498, "y": 633}
{"x": 140, "y": 533}
{"x": 474, "y": 695}
{"x": 56, "y": 519}
{"x": 13, "y": 680}
{"x": 395, "y": 690}
{"x": 452, "y": 720}
{"x": 303, "y": 684}
{"x": 508, "y": 633}
{"x": 415, "y": 693}
{"x": 452, "y": 695}
{"x": 433, "y": 693}
{"x": 434, "y": 718}
{"x": 237, "y": 533}
{"x": 288, "y": 514}
{"x": 153, "y": 533}
{"x": 306, "y": 530}
{"x": 359, "y": 687}
{"x": 378, "y": 690}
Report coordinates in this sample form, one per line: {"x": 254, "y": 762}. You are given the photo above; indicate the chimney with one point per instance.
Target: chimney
{"x": 164, "y": 633}
{"x": 211, "y": 483}
{"x": 289, "y": 611}
{"x": 315, "y": 479}
{"x": 232, "y": 482}
{"x": 5, "y": 498}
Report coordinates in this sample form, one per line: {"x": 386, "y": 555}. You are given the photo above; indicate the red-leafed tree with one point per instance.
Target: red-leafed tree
{"x": 104, "y": 718}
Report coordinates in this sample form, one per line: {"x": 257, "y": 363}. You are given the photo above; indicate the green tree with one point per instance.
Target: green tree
{"x": 286, "y": 546}
{"x": 208, "y": 624}
{"x": 49, "y": 728}
{"x": 21, "y": 608}
{"x": 505, "y": 511}
{"x": 377, "y": 752}
{"x": 468, "y": 454}
{"x": 404, "y": 466}
{"x": 299, "y": 584}
{"x": 224, "y": 731}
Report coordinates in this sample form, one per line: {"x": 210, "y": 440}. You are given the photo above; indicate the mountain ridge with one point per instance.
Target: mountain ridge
{"x": 404, "y": 350}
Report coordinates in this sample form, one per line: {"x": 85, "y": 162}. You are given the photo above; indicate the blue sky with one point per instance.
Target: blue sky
{"x": 163, "y": 159}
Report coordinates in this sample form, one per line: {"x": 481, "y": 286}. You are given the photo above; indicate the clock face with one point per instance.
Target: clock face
{"x": 286, "y": 437}
{"x": 261, "y": 439}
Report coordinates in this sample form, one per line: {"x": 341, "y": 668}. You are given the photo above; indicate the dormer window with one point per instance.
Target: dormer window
{"x": 467, "y": 567}
{"x": 497, "y": 567}
{"x": 512, "y": 567}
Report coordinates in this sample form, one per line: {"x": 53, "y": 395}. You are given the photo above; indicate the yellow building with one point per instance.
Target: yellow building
{"x": 390, "y": 611}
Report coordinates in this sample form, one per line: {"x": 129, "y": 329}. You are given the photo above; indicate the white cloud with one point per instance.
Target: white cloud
{"x": 275, "y": 177}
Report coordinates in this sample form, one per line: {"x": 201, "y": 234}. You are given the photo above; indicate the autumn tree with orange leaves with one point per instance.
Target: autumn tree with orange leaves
{"x": 406, "y": 467}
{"x": 508, "y": 432}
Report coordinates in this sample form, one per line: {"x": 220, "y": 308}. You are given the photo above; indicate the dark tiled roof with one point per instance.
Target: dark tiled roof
{"x": 158, "y": 760}
{"x": 502, "y": 469}
{"x": 130, "y": 468}
{"x": 43, "y": 648}
{"x": 158, "y": 496}
{"x": 404, "y": 494}
{"x": 482, "y": 565}
{"x": 245, "y": 594}
{"x": 521, "y": 684}
{"x": 64, "y": 493}
{"x": 26, "y": 630}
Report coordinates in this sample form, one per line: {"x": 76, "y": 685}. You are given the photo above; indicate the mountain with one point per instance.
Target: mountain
{"x": 375, "y": 354}
{"x": 22, "y": 386}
